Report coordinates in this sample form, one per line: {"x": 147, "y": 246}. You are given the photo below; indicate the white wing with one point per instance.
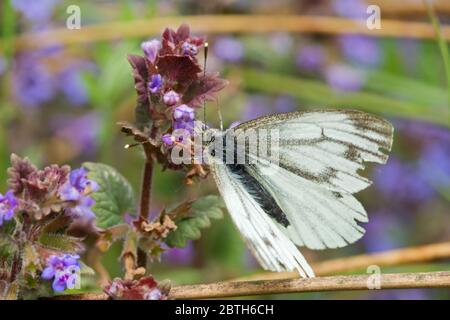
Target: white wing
{"x": 320, "y": 154}
{"x": 272, "y": 248}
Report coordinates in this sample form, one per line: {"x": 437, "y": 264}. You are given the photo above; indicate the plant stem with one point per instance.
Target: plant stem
{"x": 146, "y": 188}
{"x": 441, "y": 42}
{"x": 146, "y": 191}
{"x": 215, "y": 24}
{"x": 263, "y": 287}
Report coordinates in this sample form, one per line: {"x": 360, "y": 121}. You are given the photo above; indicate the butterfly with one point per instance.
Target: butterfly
{"x": 305, "y": 198}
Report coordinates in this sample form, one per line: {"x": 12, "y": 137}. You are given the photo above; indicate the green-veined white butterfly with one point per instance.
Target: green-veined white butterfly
{"x": 308, "y": 200}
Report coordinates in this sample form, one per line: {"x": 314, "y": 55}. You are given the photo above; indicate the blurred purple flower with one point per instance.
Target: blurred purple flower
{"x": 36, "y": 11}
{"x": 360, "y": 49}
{"x": 344, "y": 78}
{"x": 383, "y": 232}
{"x": 3, "y": 65}
{"x": 155, "y": 83}
{"x": 151, "y": 49}
{"x": 310, "y": 58}
{"x": 406, "y": 294}
{"x": 32, "y": 83}
{"x": 8, "y": 204}
{"x": 409, "y": 53}
{"x": 64, "y": 270}
{"x": 179, "y": 256}
{"x": 80, "y": 131}
{"x": 281, "y": 42}
{"x": 285, "y": 104}
{"x": 255, "y": 107}
{"x": 72, "y": 85}
{"x": 228, "y": 49}
{"x": 355, "y": 9}
{"x": 434, "y": 164}
{"x": 402, "y": 180}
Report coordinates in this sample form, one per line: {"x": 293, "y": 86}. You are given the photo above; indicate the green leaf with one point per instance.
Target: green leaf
{"x": 114, "y": 197}
{"x": 188, "y": 228}
{"x": 61, "y": 242}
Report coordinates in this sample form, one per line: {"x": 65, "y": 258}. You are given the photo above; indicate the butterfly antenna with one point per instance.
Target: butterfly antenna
{"x": 204, "y": 75}
{"x": 219, "y": 112}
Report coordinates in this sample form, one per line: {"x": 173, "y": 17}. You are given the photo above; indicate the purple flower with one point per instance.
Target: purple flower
{"x": 155, "y": 83}
{"x": 228, "y": 49}
{"x": 183, "y": 113}
{"x": 255, "y": 107}
{"x": 81, "y": 131}
{"x": 434, "y": 164}
{"x": 32, "y": 83}
{"x": 168, "y": 139}
{"x": 8, "y": 204}
{"x": 383, "y": 232}
{"x": 189, "y": 49}
{"x": 35, "y": 11}
{"x": 64, "y": 270}
{"x": 281, "y": 42}
{"x": 360, "y": 49}
{"x": 183, "y": 116}
{"x": 310, "y": 58}
{"x": 403, "y": 180}
{"x": 285, "y": 104}
{"x": 3, "y": 65}
{"x": 350, "y": 8}
{"x": 72, "y": 85}
{"x": 151, "y": 49}
{"x": 171, "y": 98}
{"x": 180, "y": 256}
{"x": 344, "y": 78}
{"x": 78, "y": 189}
{"x": 154, "y": 294}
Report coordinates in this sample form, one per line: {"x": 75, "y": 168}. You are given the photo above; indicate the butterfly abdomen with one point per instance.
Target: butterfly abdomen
{"x": 259, "y": 193}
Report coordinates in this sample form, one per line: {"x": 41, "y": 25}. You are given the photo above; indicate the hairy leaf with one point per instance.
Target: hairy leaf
{"x": 115, "y": 196}
{"x": 61, "y": 242}
{"x": 188, "y": 228}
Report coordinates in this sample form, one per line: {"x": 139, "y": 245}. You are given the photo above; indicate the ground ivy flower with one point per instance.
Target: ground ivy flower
{"x": 189, "y": 49}
{"x": 155, "y": 83}
{"x": 78, "y": 189}
{"x": 184, "y": 118}
{"x": 183, "y": 113}
{"x": 229, "y": 49}
{"x": 64, "y": 270}
{"x": 36, "y": 11}
{"x": 310, "y": 58}
{"x": 360, "y": 49}
{"x": 171, "y": 98}
{"x": 168, "y": 139}
{"x": 8, "y": 204}
{"x": 344, "y": 78}
{"x": 151, "y": 49}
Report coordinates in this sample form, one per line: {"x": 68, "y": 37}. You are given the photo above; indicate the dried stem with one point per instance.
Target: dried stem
{"x": 383, "y": 259}
{"x": 227, "y": 24}
{"x": 333, "y": 283}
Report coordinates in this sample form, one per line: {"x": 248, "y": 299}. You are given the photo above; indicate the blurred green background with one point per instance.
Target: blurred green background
{"x": 59, "y": 104}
